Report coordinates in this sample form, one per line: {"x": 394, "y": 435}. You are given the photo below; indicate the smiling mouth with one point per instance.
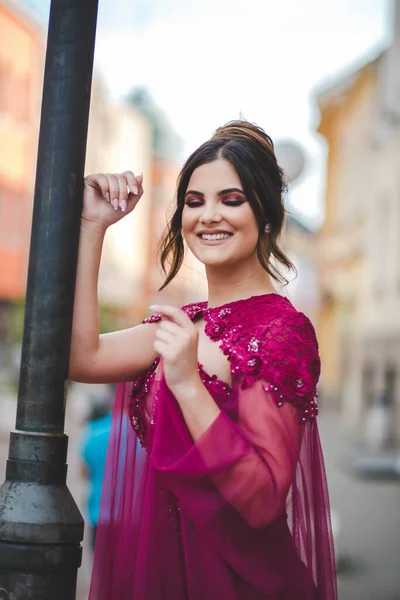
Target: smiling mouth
{"x": 214, "y": 237}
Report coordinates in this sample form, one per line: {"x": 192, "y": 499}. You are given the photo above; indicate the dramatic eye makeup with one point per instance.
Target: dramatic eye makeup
{"x": 193, "y": 202}
{"x": 233, "y": 200}
{"x": 230, "y": 197}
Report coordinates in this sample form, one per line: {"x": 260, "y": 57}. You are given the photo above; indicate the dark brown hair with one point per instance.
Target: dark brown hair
{"x": 251, "y": 152}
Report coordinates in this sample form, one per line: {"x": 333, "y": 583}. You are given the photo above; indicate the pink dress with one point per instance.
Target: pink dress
{"x": 243, "y": 513}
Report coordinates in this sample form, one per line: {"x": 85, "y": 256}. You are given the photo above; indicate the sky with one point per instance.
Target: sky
{"x": 206, "y": 62}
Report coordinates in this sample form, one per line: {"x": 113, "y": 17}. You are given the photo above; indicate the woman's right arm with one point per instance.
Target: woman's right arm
{"x": 121, "y": 355}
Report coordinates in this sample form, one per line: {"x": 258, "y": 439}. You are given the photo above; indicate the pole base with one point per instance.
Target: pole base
{"x": 40, "y": 533}
{"x": 39, "y": 572}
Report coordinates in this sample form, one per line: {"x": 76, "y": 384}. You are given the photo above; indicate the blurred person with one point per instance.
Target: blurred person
{"x": 226, "y": 497}
{"x": 93, "y": 450}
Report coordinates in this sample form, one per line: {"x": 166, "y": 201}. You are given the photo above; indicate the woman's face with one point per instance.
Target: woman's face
{"x": 218, "y": 222}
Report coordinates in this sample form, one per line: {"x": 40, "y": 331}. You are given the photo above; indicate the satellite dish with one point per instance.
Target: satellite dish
{"x": 291, "y": 158}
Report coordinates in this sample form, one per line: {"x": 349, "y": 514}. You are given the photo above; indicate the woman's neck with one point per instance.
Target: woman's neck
{"x": 229, "y": 286}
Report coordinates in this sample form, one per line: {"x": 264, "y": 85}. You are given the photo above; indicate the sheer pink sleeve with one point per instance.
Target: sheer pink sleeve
{"x": 259, "y": 456}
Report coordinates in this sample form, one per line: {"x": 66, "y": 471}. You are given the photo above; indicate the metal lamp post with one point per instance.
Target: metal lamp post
{"x": 40, "y": 525}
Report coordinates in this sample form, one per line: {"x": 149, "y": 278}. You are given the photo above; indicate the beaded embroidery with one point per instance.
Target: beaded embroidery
{"x": 140, "y": 389}
{"x": 264, "y": 337}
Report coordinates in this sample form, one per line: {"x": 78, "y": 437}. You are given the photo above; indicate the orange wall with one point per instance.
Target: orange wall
{"x": 21, "y": 67}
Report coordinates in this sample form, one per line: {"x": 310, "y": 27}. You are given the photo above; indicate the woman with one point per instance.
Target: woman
{"x": 227, "y": 498}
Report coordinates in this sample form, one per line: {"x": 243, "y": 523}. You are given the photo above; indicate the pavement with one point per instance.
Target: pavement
{"x": 368, "y": 513}
{"x": 381, "y": 464}
{"x": 366, "y": 510}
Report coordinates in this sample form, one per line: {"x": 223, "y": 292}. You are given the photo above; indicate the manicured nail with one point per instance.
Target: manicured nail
{"x": 123, "y": 205}
{"x": 107, "y": 197}
{"x": 115, "y": 203}
{"x": 134, "y": 190}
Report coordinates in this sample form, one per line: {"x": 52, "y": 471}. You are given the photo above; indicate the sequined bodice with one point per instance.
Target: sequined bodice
{"x": 263, "y": 337}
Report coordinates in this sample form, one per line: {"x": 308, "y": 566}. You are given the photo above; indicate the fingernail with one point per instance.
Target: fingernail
{"x": 123, "y": 205}
{"x": 115, "y": 203}
{"x": 154, "y": 307}
{"x": 107, "y": 197}
{"x": 134, "y": 189}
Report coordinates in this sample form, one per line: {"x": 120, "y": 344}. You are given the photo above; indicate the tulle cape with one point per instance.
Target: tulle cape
{"x": 240, "y": 514}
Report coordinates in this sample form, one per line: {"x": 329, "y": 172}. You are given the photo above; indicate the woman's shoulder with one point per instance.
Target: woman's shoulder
{"x": 269, "y": 338}
{"x": 285, "y": 333}
{"x": 286, "y": 321}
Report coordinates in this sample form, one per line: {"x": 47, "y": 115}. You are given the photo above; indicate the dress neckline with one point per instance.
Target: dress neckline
{"x": 213, "y": 317}
{"x": 250, "y": 298}
{"x": 195, "y": 308}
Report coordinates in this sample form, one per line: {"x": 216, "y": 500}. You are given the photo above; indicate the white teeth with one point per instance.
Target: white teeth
{"x": 215, "y": 236}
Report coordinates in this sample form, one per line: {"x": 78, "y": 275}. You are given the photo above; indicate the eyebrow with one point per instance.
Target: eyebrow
{"x": 221, "y": 193}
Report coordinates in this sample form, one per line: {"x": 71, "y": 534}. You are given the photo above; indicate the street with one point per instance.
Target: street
{"x": 368, "y": 542}
{"x": 369, "y": 513}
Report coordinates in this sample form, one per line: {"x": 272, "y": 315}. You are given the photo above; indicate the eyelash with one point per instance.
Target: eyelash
{"x": 197, "y": 203}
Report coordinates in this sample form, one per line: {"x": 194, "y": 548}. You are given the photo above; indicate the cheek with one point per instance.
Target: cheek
{"x": 247, "y": 225}
{"x": 189, "y": 221}
{"x": 185, "y": 222}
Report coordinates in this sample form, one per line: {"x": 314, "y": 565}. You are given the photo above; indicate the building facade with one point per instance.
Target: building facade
{"x": 21, "y": 77}
{"x": 359, "y": 252}
{"x": 119, "y": 139}
{"x": 300, "y": 244}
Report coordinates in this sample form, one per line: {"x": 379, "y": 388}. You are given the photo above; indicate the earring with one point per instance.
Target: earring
{"x": 267, "y": 228}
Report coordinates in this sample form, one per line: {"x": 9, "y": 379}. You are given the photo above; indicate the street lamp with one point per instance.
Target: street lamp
{"x": 40, "y": 525}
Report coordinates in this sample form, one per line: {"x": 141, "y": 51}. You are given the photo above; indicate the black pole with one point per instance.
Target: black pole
{"x": 40, "y": 525}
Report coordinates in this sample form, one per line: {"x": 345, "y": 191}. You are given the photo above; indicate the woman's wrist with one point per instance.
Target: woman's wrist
{"x": 93, "y": 227}
{"x": 198, "y": 407}
{"x": 189, "y": 391}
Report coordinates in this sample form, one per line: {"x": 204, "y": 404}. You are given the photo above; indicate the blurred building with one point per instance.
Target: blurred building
{"x": 120, "y": 139}
{"x": 298, "y": 239}
{"x": 190, "y": 284}
{"x": 121, "y": 136}
{"x": 21, "y": 76}
{"x": 359, "y": 243}
{"x": 300, "y": 244}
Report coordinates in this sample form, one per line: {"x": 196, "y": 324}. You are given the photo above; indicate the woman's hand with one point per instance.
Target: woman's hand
{"x": 108, "y": 197}
{"x": 176, "y": 341}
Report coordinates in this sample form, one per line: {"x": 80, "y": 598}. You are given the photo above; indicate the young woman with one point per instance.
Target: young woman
{"x": 227, "y": 497}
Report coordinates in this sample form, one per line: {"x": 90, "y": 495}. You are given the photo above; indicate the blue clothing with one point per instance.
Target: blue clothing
{"x": 93, "y": 452}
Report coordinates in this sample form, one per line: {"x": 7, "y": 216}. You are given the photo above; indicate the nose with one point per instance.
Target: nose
{"x": 210, "y": 214}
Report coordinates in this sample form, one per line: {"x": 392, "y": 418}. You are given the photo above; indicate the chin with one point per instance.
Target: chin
{"x": 220, "y": 264}
{"x": 216, "y": 261}
{"x": 220, "y": 256}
